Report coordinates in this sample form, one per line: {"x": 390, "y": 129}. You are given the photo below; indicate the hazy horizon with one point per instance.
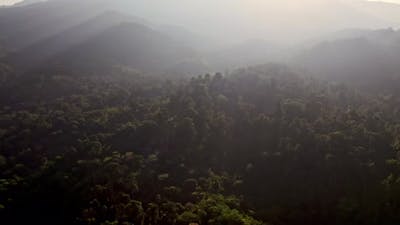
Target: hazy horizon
{"x": 281, "y": 21}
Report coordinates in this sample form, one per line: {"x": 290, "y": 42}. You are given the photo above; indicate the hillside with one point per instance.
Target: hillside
{"x": 368, "y": 59}
{"x": 42, "y": 51}
{"x": 23, "y": 26}
{"x": 127, "y": 44}
{"x": 48, "y": 42}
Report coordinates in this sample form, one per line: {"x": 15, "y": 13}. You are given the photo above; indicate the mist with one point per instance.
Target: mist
{"x": 199, "y": 112}
{"x": 201, "y": 36}
{"x": 280, "y": 21}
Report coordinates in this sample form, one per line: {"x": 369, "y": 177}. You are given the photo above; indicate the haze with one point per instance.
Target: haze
{"x": 279, "y": 21}
{"x": 199, "y": 112}
{"x": 283, "y": 20}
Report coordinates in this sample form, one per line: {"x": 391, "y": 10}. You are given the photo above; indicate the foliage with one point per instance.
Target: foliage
{"x": 261, "y": 145}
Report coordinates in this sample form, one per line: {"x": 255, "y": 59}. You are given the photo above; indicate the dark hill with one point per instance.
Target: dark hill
{"x": 126, "y": 44}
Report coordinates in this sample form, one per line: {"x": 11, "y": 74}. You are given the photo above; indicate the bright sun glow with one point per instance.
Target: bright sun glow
{"x": 9, "y": 2}
{"x": 391, "y": 1}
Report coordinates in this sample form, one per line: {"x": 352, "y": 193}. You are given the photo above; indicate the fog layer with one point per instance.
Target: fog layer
{"x": 283, "y": 20}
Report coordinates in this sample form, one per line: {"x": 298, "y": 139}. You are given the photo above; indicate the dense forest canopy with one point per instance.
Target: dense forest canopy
{"x": 130, "y": 148}
{"x": 107, "y": 118}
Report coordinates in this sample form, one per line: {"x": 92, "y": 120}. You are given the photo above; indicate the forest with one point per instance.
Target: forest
{"x": 109, "y": 119}
{"x": 261, "y": 145}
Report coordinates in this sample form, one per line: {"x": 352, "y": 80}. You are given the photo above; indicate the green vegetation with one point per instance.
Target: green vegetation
{"x": 259, "y": 146}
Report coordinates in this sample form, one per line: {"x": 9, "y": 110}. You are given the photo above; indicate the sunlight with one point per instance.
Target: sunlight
{"x": 9, "y": 2}
{"x": 389, "y": 1}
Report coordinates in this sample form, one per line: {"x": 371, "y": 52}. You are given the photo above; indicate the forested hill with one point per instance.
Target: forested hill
{"x": 262, "y": 145}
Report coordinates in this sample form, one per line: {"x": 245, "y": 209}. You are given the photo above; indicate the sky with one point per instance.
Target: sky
{"x": 392, "y": 1}
{"x": 11, "y": 2}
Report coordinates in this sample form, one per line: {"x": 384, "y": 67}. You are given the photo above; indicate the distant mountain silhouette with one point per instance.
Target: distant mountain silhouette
{"x": 87, "y": 35}
{"x": 23, "y": 26}
{"x": 94, "y": 36}
{"x": 126, "y": 44}
{"x": 362, "y": 57}
{"x": 47, "y": 48}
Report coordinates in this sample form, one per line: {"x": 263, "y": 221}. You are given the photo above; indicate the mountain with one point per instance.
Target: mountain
{"x": 44, "y": 36}
{"x": 126, "y": 44}
{"x": 26, "y": 25}
{"x": 279, "y": 21}
{"x": 365, "y": 58}
{"x": 41, "y": 51}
